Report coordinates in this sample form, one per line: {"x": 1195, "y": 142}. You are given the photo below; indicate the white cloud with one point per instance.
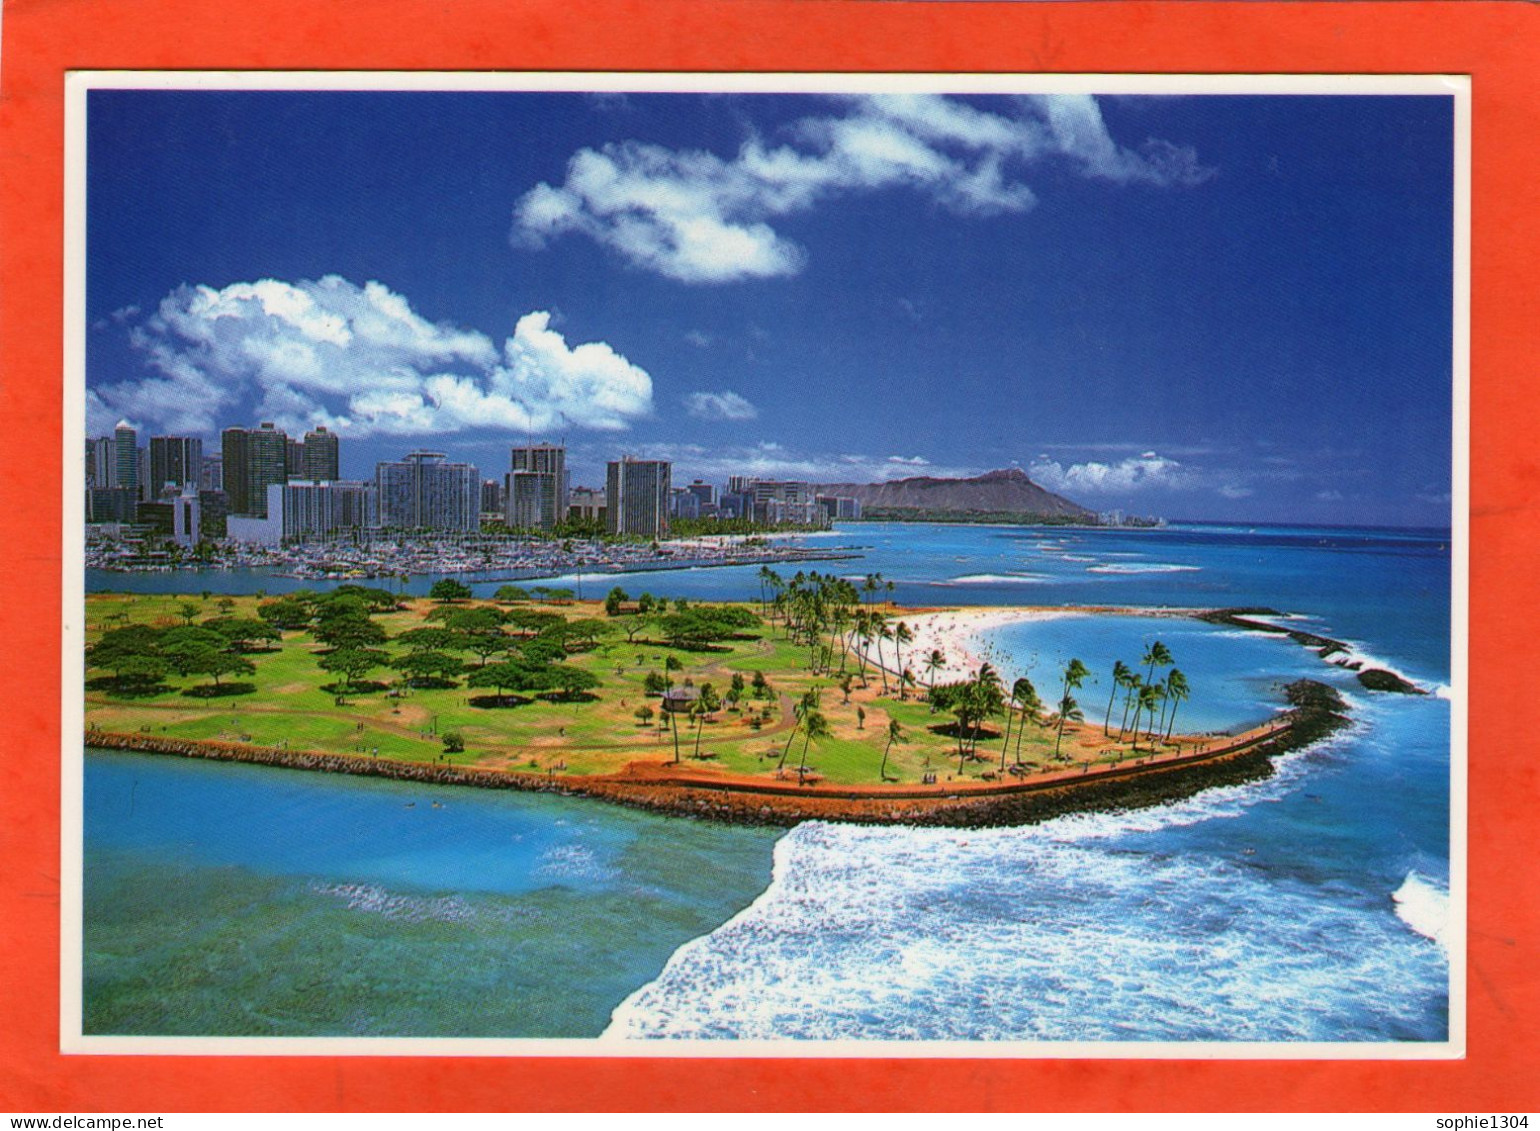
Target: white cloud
{"x": 1096, "y": 478}
{"x": 700, "y": 218}
{"x": 698, "y": 338}
{"x": 725, "y": 405}
{"x": 771, "y": 460}
{"x": 910, "y": 461}
{"x": 363, "y": 362}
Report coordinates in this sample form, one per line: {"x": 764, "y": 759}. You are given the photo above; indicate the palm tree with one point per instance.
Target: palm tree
{"x": 1134, "y": 682}
{"x": 707, "y": 704}
{"x": 1068, "y": 710}
{"x": 1075, "y": 674}
{"x": 883, "y": 632}
{"x": 986, "y": 697}
{"x": 1026, "y": 694}
{"x": 807, "y": 705}
{"x": 1158, "y": 655}
{"x": 1158, "y": 697}
{"x": 895, "y": 734}
{"x": 1149, "y": 698}
{"x": 1021, "y": 691}
{"x": 934, "y": 663}
{"x": 1120, "y": 674}
{"x": 1176, "y": 691}
{"x": 814, "y": 725}
{"x": 901, "y": 636}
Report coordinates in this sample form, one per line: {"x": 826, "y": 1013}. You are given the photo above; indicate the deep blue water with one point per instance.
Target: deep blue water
{"x": 1299, "y": 908}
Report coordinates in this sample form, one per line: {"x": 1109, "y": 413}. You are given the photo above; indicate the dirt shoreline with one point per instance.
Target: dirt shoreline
{"x": 682, "y": 790}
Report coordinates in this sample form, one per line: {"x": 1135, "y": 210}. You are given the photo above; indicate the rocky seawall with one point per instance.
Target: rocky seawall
{"x": 1315, "y": 712}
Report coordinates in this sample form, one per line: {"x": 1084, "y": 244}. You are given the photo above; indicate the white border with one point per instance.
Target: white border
{"x": 77, "y": 85}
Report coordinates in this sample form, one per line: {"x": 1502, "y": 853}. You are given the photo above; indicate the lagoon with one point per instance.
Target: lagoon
{"x": 1302, "y": 908}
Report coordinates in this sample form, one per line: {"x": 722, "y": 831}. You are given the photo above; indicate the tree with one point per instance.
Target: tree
{"x": 1149, "y": 699}
{"x": 508, "y": 674}
{"x": 131, "y": 653}
{"x": 807, "y": 704}
{"x": 895, "y": 734}
{"x": 479, "y": 630}
{"x": 448, "y": 590}
{"x": 1120, "y": 674}
{"x": 347, "y": 628}
{"x": 567, "y": 681}
{"x": 934, "y": 663}
{"x": 184, "y": 645}
{"x": 643, "y": 714}
{"x": 814, "y": 726}
{"x": 1176, "y": 691}
{"x": 614, "y": 600}
{"x": 1068, "y": 710}
{"x": 286, "y": 612}
{"x": 352, "y": 664}
{"x": 1025, "y": 694}
{"x": 1075, "y": 674}
{"x": 671, "y": 664}
{"x": 453, "y": 743}
{"x": 1022, "y": 692}
{"x": 654, "y": 684}
{"x": 423, "y": 668}
{"x": 187, "y": 610}
{"x": 214, "y": 663}
{"x": 901, "y": 636}
{"x": 509, "y": 594}
{"x": 244, "y": 634}
{"x": 1156, "y": 655}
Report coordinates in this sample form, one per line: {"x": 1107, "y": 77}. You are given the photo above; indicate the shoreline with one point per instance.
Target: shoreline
{"x": 684, "y": 791}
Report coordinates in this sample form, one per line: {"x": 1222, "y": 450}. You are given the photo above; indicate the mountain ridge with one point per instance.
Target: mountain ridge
{"x": 1001, "y": 491}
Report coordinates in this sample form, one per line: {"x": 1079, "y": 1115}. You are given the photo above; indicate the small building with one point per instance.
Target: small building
{"x": 677, "y": 699}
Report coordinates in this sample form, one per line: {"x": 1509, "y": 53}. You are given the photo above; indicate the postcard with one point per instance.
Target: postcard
{"x": 850, "y": 453}
{"x": 662, "y": 572}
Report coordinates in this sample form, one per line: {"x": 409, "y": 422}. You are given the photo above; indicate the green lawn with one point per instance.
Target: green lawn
{"x": 596, "y": 734}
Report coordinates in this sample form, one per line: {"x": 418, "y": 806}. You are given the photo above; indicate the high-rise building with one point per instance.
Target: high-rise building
{"x": 125, "y": 457}
{"x": 175, "y": 460}
{"x": 683, "y": 503}
{"x": 254, "y": 459}
{"x": 536, "y": 486}
{"x": 789, "y": 501}
{"x": 586, "y": 503}
{"x": 310, "y": 508}
{"x": 425, "y": 491}
{"x": 492, "y": 501}
{"x": 318, "y": 455}
{"x": 212, "y": 477}
{"x": 637, "y": 493}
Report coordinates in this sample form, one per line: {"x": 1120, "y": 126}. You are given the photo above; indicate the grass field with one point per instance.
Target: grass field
{"x": 288, "y": 701}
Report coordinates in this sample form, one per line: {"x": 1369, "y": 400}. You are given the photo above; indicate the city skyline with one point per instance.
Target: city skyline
{"x": 1203, "y": 307}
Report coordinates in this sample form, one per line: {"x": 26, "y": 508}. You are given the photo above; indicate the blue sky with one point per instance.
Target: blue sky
{"x": 1232, "y": 308}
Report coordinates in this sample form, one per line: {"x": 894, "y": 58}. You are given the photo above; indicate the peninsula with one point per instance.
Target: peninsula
{"x": 745, "y": 712}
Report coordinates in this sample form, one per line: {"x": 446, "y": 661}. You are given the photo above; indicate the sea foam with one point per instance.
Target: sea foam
{"x": 1423, "y": 906}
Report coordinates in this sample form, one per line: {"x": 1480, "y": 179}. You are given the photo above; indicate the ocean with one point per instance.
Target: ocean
{"x": 1308, "y": 907}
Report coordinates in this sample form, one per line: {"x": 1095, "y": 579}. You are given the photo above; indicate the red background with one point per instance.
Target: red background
{"x": 1497, "y": 43}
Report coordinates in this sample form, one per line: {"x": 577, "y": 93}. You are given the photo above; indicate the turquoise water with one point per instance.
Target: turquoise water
{"x": 240, "y": 900}
{"x": 1308, "y": 907}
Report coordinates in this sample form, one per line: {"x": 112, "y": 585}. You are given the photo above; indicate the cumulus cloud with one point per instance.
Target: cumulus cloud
{"x": 725, "y": 405}
{"x": 696, "y": 217}
{"x": 1094, "y": 477}
{"x": 363, "y": 362}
